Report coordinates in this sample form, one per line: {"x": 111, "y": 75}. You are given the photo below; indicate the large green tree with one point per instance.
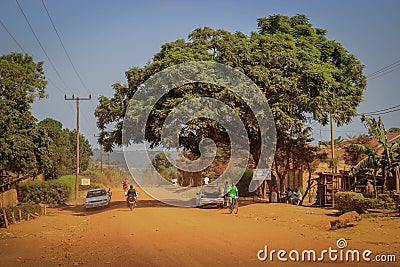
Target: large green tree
{"x": 60, "y": 149}
{"x": 23, "y": 146}
{"x": 304, "y": 76}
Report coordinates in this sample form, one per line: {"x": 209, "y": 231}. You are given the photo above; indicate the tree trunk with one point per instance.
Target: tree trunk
{"x": 309, "y": 184}
{"x": 384, "y": 179}
{"x": 375, "y": 193}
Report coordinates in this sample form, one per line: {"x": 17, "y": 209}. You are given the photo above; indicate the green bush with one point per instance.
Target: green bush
{"x": 350, "y": 201}
{"x": 374, "y": 203}
{"x": 68, "y": 180}
{"x": 48, "y": 192}
{"x": 385, "y": 197}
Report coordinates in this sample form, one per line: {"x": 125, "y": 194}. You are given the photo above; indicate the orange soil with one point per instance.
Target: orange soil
{"x": 155, "y": 234}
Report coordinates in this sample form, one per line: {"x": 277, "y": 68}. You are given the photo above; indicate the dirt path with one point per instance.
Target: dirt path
{"x": 155, "y": 234}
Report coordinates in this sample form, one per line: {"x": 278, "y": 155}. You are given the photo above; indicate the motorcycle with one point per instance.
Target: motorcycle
{"x": 132, "y": 203}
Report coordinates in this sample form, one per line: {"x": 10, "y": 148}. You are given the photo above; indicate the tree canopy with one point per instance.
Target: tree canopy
{"x": 23, "y": 146}
{"x": 304, "y": 76}
{"x": 62, "y": 149}
{"x": 28, "y": 147}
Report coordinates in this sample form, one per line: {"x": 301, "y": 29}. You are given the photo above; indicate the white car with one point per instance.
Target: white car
{"x": 210, "y": 195}
{"x": 97, "y": 198}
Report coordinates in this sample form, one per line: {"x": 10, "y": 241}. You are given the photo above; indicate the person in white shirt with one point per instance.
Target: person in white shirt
{"x": 274, "y": 195}
{"x": 289, "y": 195}
{"x": 295, "y": 200}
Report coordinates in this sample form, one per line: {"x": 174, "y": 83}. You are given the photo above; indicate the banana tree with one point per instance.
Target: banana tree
{"x": 389, "y": 151}
{"x": 371, "y": 162}
{"x": 385, "y": 161}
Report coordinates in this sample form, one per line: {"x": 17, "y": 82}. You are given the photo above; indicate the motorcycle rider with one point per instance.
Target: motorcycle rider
{"x": 132, "y": 193}
{"x": 125, "y": 184}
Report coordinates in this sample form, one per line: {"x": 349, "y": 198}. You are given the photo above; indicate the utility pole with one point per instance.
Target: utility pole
{"x": 77, "y": 99}
{"x": 101, "y": 155}
{"x": 332, "y": 143}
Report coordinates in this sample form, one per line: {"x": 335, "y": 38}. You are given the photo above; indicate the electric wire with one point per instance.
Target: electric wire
{"x": 69, "y": 59}
{"x": 381, "y": 111}
{"x": 44, "y": 51}
{"x": 41, "y": 46}
{"x": 376, "y": 111}
{"x": 12, "y": 36}
{"x": 384, "y": 70}
{"x": 23, "y": 50}
{"x": 64, "y": 48}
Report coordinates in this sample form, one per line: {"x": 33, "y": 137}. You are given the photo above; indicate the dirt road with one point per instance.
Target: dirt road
{"x": 155, "y": 234}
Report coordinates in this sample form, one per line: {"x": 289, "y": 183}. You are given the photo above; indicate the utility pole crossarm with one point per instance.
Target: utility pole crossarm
{"x": 77, "y": 99}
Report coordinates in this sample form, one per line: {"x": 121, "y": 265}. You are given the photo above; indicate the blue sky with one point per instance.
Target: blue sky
{"x": 105, "y": 38}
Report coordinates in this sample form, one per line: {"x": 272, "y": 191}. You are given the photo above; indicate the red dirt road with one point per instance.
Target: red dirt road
{"x": 155, "y": 234}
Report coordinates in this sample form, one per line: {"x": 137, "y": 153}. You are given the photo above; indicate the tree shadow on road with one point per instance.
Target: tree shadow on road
{"x": 121, "y": 205}
{"x": 80, "y": 210}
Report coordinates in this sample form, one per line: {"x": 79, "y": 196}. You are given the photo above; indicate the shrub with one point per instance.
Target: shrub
{"x": 48, "y": 192}
{"x": 68, "y": 180}
{"x": 389, "y": 203}
{"x": 374, "y": 203}
{"x": 384, "y": 201}
{"x": 350, "y": 201}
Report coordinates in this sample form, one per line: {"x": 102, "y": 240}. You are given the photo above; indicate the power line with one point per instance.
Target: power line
{"x": 9, "y": 33}
{"x": 385, "y": 70}
{"x": 23, "y": 50}
{"x": 41, "y": 46}
{"x": 68, "y": 56}
{"x": 63, "y": 46}
{"x": 378, "y": 111}
{"x": 341, "y": 131}
{"x": 381, "y": 113}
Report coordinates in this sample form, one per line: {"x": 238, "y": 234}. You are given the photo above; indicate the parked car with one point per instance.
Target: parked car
{"x": 97, "y": 198}
{"x": 210, "y": 195}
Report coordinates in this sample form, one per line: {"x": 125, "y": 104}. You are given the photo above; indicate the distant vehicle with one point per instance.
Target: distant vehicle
{"x": 97, "y": 198}
{"x": 210, "y": 195}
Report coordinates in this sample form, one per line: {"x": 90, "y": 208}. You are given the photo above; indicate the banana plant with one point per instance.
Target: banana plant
{"x": 371, "y": 162}
{"x": 385, "y": 161}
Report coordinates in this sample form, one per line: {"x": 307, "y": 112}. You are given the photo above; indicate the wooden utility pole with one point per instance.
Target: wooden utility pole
{"x": 101, "y": 155}
{"x": 397, "y": 180}
{"x": 77, "y": 99}
{"x": 332, "y": 143}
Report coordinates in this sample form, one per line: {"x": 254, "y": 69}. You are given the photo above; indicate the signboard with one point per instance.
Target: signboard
{"x": 261, "y": 174}
{"x": 85, "y": 181}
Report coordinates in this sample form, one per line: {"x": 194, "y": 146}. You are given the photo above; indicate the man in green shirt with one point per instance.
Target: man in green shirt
{"x": 233, "y": 192}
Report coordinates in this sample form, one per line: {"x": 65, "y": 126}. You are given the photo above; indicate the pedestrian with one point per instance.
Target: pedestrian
{"x": 273, "y": 195}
